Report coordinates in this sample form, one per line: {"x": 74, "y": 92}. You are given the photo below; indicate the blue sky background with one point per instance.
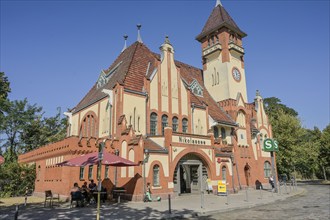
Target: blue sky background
{"x": 53, "y": 51}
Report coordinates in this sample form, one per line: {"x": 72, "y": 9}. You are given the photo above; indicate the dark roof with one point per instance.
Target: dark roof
{"x": 152, "y": 146}
{"x": 137, "y": 62}
{"x": 219, "y": 18}
{"x": 130, "y": 67}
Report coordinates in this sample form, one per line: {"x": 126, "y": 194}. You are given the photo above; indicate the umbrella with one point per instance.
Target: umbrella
{"x": 93, "y": 158}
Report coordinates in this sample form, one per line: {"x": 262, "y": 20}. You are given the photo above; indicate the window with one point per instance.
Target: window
{"x": 39, "y": 172}
{"x": 184, "y": 125}
{"x": 175, "y": 124}
{"x": 156, "y": 175}
{"x": 216, "y": 132}
{"x": 224, "y": 173}
{"x": 88, "y": 126}
{"x": 81, "y": 173}
{"x": 153, "y": 124}
{"x": 267, "y": 169}
{"x": 106, "y": 172}
{"x": 164, "y": 123}
{"x": 90, "y": 172}
{"x": 223, "y": 133}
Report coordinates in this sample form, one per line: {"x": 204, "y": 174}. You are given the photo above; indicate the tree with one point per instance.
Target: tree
{"x": 324, "y": 155}
{"x": 19, "y": 116}
{"x": 4, "y": 91}
{"x": 274, "y": 105}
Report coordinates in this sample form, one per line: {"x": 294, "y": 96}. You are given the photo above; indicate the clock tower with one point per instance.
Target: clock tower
{"x": 223, "y": 56}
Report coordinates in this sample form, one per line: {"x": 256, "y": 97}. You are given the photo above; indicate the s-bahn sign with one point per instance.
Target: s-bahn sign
{"x": 270, "y": 145}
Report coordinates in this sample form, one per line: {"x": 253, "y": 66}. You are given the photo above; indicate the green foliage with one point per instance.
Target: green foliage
{"x": 22, "y": 128}
{"x": 302, "y": 150}
{"x": 16, "y": 178}
{"x": 4, "y": 91}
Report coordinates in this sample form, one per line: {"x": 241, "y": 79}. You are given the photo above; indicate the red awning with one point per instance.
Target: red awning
{"x": 92, "y": 159}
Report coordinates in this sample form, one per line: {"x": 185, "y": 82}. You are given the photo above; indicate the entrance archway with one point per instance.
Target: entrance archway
{"x": 190, "y": 175}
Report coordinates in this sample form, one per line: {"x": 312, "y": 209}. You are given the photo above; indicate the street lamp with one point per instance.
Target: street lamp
{"x": 145, "y": 160}
{"x": 232, "y": 171}
{"x": 117, "y": 154}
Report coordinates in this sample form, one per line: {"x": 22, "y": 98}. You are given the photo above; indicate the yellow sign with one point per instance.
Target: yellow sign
{"x": 222, "y": 189}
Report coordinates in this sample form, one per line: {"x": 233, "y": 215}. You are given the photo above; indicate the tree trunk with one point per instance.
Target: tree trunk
{"x": 324, "y": 173}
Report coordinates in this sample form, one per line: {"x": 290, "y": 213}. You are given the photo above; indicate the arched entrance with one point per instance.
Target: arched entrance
{"x": 190, "y": 175}
{"x": 247, "y": 172}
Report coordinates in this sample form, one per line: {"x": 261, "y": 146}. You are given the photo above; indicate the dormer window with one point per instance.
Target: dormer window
{"x": 196, "y": 88}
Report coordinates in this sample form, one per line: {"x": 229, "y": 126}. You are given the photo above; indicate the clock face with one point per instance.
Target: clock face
{"x": 236, "y": 74}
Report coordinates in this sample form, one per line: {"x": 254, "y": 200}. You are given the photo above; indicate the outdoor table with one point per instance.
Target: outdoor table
{"x": 119, "y": 192}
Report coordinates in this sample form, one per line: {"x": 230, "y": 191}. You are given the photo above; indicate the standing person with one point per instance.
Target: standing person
{"x": 271, "y": 181}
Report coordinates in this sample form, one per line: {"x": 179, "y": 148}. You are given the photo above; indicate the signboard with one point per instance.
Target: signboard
{"x": 222, "y": 188}
{"x": 270, "y": 145}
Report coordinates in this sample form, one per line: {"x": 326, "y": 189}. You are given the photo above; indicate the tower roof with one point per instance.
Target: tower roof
{"x": 219, "y": 18}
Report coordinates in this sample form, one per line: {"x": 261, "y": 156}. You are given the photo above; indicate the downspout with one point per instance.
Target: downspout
{"x": 192, "y": 118}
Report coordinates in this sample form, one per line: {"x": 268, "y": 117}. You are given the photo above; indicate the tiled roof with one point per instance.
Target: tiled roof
{"x": 219, "y": 18}
{"x": 137, "y": 62}
{"x": 152, "y": 146}
{"x": 131, "y": 65}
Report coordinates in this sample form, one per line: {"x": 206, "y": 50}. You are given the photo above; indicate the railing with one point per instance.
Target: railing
{"x": 233, "y": 46}
{"x": 210, "y": 49}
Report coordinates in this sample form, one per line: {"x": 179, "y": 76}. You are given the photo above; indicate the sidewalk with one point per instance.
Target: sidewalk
{"x": 183, "y": 206}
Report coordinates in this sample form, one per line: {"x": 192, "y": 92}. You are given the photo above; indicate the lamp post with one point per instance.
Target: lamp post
{"x": 145, "y": 160}
{"x": 117, "y": 154}
{"x": 232, "y": 171}
{"x": 100, "y": 158}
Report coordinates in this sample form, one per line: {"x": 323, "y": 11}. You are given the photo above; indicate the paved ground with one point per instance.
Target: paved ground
{"x": 314, "y": 203}
{"x": 182, "y": 207}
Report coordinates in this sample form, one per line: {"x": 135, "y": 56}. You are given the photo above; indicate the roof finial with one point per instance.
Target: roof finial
{"x": 167, "y": 41}
{"x": 257, "y": 93}
{"x": 218, "y": 3}
{"x": 139, "y": 39}
{"x": 125, "y": 45}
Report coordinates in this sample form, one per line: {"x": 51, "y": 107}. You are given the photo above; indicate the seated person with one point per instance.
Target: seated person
{"x": 76, "y": 195}
{"x": 85, "y": 191}
{"x": 93, "y": 188}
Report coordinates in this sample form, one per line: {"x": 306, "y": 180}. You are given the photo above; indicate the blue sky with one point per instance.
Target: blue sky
{"x": 53, "y": 51}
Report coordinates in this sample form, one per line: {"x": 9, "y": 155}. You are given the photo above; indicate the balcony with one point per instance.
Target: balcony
{"x": 210, "y": 49}
{"x": 234, "y": 47}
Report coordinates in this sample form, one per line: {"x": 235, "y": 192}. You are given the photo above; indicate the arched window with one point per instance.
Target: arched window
{"x": 218, "y": 78}
{"x": 223, "y": 133}
{"x": 39, "y": 172}
{"x": 88, "y": 127}
{"x": 184, "y": 125}
{"x": 175, "y": 124}
{"x": 267, "y": 169}
{"x": 241, "y": 119}
{"x": 216, "y": 132}
{"x": 156, "y": 175}
{"x": 153, "y": 124}
{"x": 212, "y": 80}
{"x": 164, "y": 123}
{"x": 224, "y": 173}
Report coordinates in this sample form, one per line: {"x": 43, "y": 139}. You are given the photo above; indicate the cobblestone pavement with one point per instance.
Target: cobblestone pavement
{"x": 314, "y": 203}
{"x": 249, "y": 203}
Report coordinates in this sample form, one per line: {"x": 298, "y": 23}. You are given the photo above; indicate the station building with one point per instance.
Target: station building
{"x": 186, "y": 127}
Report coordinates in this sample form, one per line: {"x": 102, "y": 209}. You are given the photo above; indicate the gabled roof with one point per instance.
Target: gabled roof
{"x": 219, "y": 18}
{"x": 128, "y": 69}
{"x": 135, "y": 64}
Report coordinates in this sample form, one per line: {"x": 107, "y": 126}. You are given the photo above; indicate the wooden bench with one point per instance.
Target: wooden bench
{"x": 50, "y": 198}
